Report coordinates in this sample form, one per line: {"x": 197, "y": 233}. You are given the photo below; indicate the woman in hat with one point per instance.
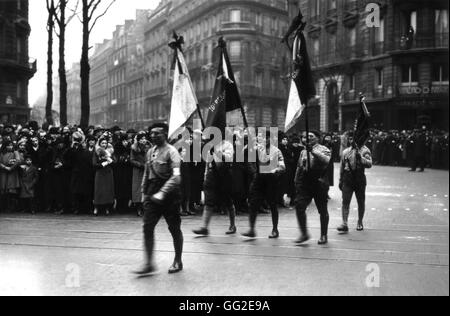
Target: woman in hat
{"x": 104, "y": 177}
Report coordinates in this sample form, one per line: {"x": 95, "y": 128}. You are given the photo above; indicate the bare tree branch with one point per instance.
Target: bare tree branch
{"x": 90, "y": 3}
{"x": 94, "y": 8}
{"x": 101, "y": 15}
{"x": 75, "y": 13}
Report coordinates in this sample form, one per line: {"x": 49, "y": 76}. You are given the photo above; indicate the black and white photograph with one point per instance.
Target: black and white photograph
{"x": 224, "y": 153}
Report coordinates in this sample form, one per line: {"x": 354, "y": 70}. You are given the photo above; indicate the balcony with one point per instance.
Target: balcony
{"x": 20, "y": 62}
{"x": 349, "y": 96}
{"x": 351, "y": 14}
{"x": 13, "y": 101}
{"x": 206, "y": 5}
{"x": 243, "y": 26}
{"x": 331, "y": 23}
{"x": 156, "y": 92}
{"x": 422, "y": 42}
{"x": 377, "y": 48}
{"x": 378, "y": 93}
{"x": 343, "y": 55}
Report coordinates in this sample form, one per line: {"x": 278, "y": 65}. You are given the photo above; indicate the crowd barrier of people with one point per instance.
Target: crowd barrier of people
{"x": 98, "y": 171}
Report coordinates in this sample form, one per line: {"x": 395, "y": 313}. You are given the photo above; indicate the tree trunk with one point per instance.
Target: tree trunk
{"x": 49, "y": 102}
{"x": 85, "y": 69}
{"x": 62, "y": 65}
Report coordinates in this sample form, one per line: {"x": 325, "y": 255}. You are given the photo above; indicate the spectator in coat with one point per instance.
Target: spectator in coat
{"x": 9, "y": 177}
{"x": 123, "y": 173}
{"x": 137, "y": 159}
{"x": 29, "y": 176}
{"x": 82, "y": 175}
{"x": 104, "y": 177}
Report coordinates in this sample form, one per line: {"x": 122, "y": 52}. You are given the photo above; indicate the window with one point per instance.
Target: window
{"x": 332, "y": 4}
{"x": 214, "y": 23}
{"x": 351, "y": 82}
{"x": 410, "y": 18}
{"x": 380, "y": 75}
{"x": 441, "y": 22}
{"x": 19, "y": 90}
{"x": 258, "y": 19}
{"x": 235, "y": 49}
{"x": 352, "y": 36}
{"x": 266, "y": 25}
{"x": 379, "y": 32}
{"x": 258, "y": 50}
{"x": 19, "y": 46}
{"x": 315, "y": 7}
{"x": 440, "y": 73}
{"x": 273, "y": 82}
{"x": 235, "y": 16}
{"x": 205, "y": 54}
{"x": 274, "y": 25}
{"x": 259, "y": 80}
{"x": 316, "y": 46}
{"x": 410, "y": 74}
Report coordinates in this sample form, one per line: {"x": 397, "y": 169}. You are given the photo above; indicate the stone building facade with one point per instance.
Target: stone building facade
{"x": 16, "y": 68}
{"x": 252, "y": 29}
{"x": 403, "y": 74}
{"x": 99, "y": 83}
{"x": 73, "y": 94}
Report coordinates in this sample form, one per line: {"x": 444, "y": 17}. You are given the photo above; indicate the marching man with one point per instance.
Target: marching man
{"x": 353, "y": 180}
{"x": 310, "y": 184}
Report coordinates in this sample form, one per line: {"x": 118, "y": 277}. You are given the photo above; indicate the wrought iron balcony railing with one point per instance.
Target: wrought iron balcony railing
{"x": 439, "y": 40}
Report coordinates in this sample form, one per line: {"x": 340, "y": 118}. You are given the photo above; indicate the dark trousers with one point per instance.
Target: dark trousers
{"x": 152, "y": 214}
{"x": 81, "y": 203}
{"x": 8, "y": 202}
{"x": 264, "y": 188}
{"x": 419, "y": 161}
{"x": 28, "y": 205}
{"x": 347, "y": 193}
{"x": 306, "y": 192}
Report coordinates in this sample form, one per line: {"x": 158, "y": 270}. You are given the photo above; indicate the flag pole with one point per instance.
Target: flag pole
{"x": 200, "y": 115}
{"x": 301, "y": 63}
{"x": 308, "y": 152}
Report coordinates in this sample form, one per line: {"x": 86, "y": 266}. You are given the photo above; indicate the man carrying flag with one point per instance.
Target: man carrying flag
{"x": 355, "y": 160}
{"x": 313, "y": 163}
{"x": 218, "y": 176}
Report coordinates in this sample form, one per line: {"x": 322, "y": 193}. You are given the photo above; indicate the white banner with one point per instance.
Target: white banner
{"x": 295, "y": 108}
{"x": 184, "y": 101}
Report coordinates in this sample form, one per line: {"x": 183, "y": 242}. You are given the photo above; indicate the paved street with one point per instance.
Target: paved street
{"x": 406, "y": 241}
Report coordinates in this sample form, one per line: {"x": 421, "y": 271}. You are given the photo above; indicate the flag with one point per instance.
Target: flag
{"x": 302, "y": 84}
{"x": 295, "y": 108}
{"x": 226, "y": 97}
{"x": 362, "y": 124}
{"x": 184, "y": 101}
